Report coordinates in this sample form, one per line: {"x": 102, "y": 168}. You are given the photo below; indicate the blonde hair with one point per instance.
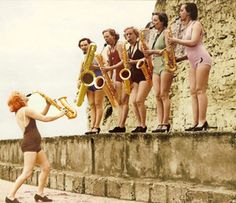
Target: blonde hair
{"x": 135, "y": 30}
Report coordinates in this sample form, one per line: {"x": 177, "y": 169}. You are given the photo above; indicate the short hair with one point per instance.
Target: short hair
{"x": 84, "y": 39}
{"x": 135, "y": 30}
{"x": 16, "y": 101}
{"x": 113, "y": 33}
{"x": 191, "y": 8}
{"x": 162, "y": 17}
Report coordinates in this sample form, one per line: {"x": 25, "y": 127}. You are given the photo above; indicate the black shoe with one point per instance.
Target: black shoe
{"x": 7, "y": 200}
{"x": 191, "y": 128}
{"x": 114, "y": 130}
{"x": 158, "y": 129}
{"x": 165, "y": 128}
{"x": 94, "y": 131}
{"x": 143, "y": 130}
{"x": 137, "y": 129}
{"x": 42, "y": 199}
{"x": 205, "y": 126}
{"x": 117, "y": 130}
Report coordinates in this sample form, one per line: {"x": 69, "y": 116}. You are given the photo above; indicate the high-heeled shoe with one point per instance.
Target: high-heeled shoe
{"x": 42, "y": 199}
{"x": 143, "y": 129}
{"x": 165, "y": 128}
{"x": 7, "y": 200}
{"x": 136, "y": 129}
{"x": 205, "y": 126}
{"x": 117, "y": 130}
{"x": 94, "y": 131}
{"x": 159, "y": 127}
{"x": 191, "y": 128}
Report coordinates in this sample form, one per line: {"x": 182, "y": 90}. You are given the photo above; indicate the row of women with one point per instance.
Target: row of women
{"x": 160, "y": 79}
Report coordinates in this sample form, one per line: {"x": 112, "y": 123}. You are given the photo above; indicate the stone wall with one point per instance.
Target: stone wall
{"x": 155, "y": 168}
{"x": 219, "y": 21}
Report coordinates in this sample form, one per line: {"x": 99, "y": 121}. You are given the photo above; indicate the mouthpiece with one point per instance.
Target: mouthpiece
{"x": 28, "y": 95}
{"x": 151, "y": 27}
{"x": 105, "y": 45}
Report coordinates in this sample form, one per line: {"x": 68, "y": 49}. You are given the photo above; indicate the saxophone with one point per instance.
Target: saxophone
{"x": 146, "y": 64}
{"x": 108, "y": 86}
{"x": 169, "y": 54}
{"x": 125, "y": 73}
{"x": 87, "y": 76}
{"x": 71, "y": 113}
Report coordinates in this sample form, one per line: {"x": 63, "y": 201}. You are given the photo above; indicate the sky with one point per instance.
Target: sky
{"x": 38, "y": 51}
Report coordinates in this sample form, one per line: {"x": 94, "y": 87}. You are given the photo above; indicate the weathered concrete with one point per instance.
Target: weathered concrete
{"x": 142, "y": 167}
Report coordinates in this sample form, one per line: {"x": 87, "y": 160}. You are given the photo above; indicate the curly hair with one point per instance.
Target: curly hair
{"x": 16, "y": 101}
{"x": 113, "y": 33}
{"x": 135, "y": 30}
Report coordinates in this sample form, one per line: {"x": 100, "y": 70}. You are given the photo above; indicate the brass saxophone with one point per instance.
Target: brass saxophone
{"x": 71, "y": 113}
{"x": 169, "y": 54}
{"x": 146, "y": 64}
{"x": 125, "y": 73}
{"x": 87, "y": 76}
{"x": 108, "y": 86}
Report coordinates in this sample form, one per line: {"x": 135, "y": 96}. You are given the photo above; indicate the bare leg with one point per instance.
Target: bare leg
{"x": 202, "y": 75}
{"x": 143, "y": 90}
{"x": 118, "y": 86}
{"x": 99, "y": 97}
{"x": 43, "y": 162}
{"x": 193, "y": 92}
{"x": 29, "y": 162}
{"x": 125, "y": 107}
{"x": 133, "y": 96}
{"x": 91, "y": 101}
{"x": 156, "y": 88}
{"x": 166, "y": 81}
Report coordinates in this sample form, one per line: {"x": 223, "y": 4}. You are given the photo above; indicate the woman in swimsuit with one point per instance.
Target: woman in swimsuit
{"x": 162, "y": 79}
{"x": 140, "y": 86}
{"x": 115, "y": 64}
{"x": 200, "y": 62}
{"x": 33, "y": 154}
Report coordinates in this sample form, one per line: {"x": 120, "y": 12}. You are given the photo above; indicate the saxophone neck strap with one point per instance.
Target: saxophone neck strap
{"x": 155, "y": 40}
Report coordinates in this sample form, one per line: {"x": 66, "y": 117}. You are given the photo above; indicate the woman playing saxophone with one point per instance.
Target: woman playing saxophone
{"x": 140, "y": 85}
{"x": 162, "y": 78}
{"x": 114, "y": 55}
{"x": 95, "y": 96}
{"x": 31, "y": 145}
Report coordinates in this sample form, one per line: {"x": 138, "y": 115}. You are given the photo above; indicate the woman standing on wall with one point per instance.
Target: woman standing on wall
{"x": 140, "y": 86}
{"x": 162, "y": 79}
{"x": 200, "y": 62}
{"x": 33, "y": 154}
{"x": 114, "y": 55}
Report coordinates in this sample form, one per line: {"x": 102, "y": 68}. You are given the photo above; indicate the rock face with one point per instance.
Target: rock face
{"x": 218, "y": 19}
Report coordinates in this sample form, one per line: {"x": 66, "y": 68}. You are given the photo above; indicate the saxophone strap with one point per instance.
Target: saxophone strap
{"x": 155, "y": 40}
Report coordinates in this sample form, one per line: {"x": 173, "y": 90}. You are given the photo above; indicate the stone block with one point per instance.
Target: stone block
{"x": 142, "y": 191}
{"x": 60, "y": 181}
{"x": 159, "y": 193}
{"x": 53, "y": 179}
{"x": 176, "y": 192}
{"x": 79, "y": 184}
{"x": 127, "y": 190}
{"x": 198, "y": 196}
{"x": 95, "y": 185}
{"x": 113, "y": 187}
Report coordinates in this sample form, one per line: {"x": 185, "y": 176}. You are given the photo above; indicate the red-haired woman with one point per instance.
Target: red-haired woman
{"x": 33, "y": 154}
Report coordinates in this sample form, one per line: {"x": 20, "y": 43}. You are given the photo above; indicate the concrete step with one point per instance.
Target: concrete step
{"x": 139, "y": 189}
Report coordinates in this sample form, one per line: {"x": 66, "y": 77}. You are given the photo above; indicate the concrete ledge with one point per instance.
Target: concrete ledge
{"x": 146, "y": 190}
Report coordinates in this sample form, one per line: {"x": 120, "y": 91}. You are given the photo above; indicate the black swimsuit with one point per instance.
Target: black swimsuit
{"x": 136, "y": 74}
{"x": 32, "y": 138}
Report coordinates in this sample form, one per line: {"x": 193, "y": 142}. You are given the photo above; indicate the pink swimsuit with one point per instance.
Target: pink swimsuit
{"x": 197, "y": 54}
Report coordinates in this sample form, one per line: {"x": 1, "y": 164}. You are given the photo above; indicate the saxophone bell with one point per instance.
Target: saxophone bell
{"x": 87, "y": 78}
{"x": 125, "y": 74}
{"x": 99, "y": 82}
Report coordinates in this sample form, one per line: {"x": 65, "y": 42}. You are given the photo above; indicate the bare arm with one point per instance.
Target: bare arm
{"x": 38, "y": 116}
{"x": 195, "y": 38}
{"x": 46, "y": 108}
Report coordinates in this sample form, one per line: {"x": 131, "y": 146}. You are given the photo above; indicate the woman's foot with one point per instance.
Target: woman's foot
{"x": 136, "y": 129}
{"x": 95, "y": 131}
{"x": 159, "y": 127}
{"x": 191, "y": 128}
{"x": 8, "y": 200}
{"x": 201, "y": 127}
{"x": 117, "y": 130}
{"x": 39, "y": 198}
